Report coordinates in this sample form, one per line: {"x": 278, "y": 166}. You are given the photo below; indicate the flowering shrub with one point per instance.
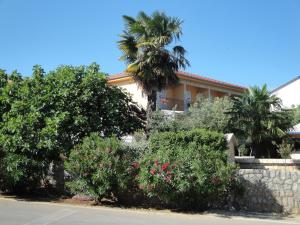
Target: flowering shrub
{"x": 100, "y": 168}
{"x": 187, "y": 169}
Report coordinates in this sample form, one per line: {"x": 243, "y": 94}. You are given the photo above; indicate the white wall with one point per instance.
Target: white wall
{"x": 289, "y": 94}
{"x": 135, "y": 92}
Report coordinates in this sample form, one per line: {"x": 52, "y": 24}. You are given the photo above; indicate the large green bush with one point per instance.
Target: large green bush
{"x": 44, "y": 116}
{"x": 104, "y": 168}
{"x": 187, "y": 169}
{"x": 97, "y": 168}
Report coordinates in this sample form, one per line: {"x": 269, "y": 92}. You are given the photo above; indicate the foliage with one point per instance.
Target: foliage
{"x": 45, "y": 116}
{"x": 159, "y": 122}
{"x": 242, "y": 150}
{"x": 204, "y": 113}
{"x": 258, "y": 118}
{"x": 98, "y": 168}
{"x": 285, "y": 149}
{"x": 145, "y": 45}
{"x": 187, "y": 169}
{"x": 296, "y": 115}
{"x": 138, "y": 146}
{"x": 209, "y": 114}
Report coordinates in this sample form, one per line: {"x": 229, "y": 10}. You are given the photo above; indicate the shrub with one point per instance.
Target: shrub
{"x": 187, "y": 169}
{"x": 285, "y": 148}
{"x": 160, "y": 122}
{"x": 197, "y": 137}
{"x": 137, "y": 147}
{"x": 97, "y": 168}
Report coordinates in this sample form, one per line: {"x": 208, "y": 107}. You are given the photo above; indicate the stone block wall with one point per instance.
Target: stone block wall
{"x": 276, "y": 190}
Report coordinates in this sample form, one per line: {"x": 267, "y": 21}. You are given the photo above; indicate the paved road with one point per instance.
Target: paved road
{"x": 14, "y": 212}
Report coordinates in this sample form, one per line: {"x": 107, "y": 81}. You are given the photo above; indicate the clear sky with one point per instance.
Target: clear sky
{"x": 247, "y": 42}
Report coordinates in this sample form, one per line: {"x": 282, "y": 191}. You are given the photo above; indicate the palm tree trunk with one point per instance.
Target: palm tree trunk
{"x": 151, "y": 107}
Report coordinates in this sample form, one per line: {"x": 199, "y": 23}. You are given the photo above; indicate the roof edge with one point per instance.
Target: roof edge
{"x": 285, "y": 84}
{"x": 188, "y": 75}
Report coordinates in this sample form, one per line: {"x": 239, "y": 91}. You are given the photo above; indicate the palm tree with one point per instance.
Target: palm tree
{"x": 150, "y": 60}
{"x": 258, "y": 118}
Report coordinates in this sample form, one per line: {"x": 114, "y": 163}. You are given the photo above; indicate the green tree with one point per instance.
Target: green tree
{"x": 209, "y": 114}
{"x": 258, "y": 118}
{"x": 50, "y": 113}
{"x": 145, "y": 44}
{"x": 204, "y": 113}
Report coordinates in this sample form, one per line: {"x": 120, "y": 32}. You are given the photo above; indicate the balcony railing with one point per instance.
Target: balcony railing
{"x": 171, "y": 104}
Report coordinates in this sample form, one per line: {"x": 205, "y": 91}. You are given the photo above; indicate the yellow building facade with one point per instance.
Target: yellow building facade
{"x": 178, "y": 97}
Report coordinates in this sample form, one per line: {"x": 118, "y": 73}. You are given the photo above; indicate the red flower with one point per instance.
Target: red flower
{"x": 156, "y": 163}
{"x": 136, "y": 165}
{"x": 165, "y": 166}
{"x": 153, "y": 171}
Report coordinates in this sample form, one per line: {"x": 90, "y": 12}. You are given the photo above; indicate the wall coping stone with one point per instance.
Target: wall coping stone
{"x": 252, "y": 160}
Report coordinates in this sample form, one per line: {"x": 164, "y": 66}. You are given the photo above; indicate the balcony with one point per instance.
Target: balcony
{"x": 171, "y": 104}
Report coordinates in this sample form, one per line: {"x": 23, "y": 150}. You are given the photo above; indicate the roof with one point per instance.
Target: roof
{"x": 285, "y": 84}
{"x": 187, "y": 75}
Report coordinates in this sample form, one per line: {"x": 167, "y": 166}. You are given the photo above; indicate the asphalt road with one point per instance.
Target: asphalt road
{"x": 14, "y": 212}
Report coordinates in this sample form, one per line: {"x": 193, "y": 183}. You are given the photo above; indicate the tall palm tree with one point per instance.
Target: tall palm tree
{"x": 257, "y": 116}
{"x": 151, "y": 61}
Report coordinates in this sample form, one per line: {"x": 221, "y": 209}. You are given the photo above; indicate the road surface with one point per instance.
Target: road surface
{"x": 13, "y": 212}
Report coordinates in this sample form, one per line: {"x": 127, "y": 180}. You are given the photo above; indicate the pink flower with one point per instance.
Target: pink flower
{"x": 165, "y": 166}
{"x": 136, "y": 165}
{"x": 153, "y": 171}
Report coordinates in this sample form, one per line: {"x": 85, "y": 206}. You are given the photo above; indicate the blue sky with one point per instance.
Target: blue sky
{"x": 247, "y": 42}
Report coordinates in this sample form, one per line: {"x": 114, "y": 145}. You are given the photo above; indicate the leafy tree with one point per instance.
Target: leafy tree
{"x": 204, "y": 113}
{"x": 50, "y": 113}
{"x": 209, "y": 114}
{"x": 145, "y": 44}
{"x": 258, "y": 118}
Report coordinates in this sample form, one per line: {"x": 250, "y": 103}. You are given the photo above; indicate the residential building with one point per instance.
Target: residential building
{"x": 289, "y": 93}
{"x": 179, "y": 96}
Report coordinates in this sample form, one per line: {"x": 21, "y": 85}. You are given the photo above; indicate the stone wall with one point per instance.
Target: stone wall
{"x": 270, "y": 190}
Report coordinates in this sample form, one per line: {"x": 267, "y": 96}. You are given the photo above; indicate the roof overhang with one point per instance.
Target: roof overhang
{"x": 123, "y": 77}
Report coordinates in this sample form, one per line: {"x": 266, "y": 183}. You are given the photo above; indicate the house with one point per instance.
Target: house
{"x": 179, "y": 96}
{"x": 289, "y": 93}
{"x": 295, "y": 131}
